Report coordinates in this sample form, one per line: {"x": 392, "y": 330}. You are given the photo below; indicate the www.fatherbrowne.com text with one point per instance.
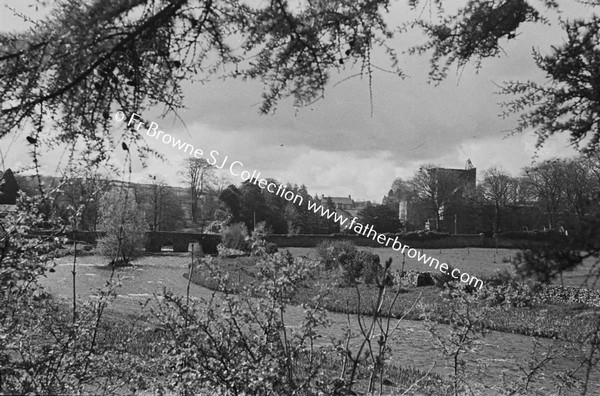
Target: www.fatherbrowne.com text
{"x": 236, "y": 169}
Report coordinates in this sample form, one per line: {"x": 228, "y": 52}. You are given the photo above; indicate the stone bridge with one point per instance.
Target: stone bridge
{"x": 180, "y": 240}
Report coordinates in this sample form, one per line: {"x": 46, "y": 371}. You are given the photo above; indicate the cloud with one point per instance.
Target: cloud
{"x": 365, "y": 174}
{"x": 337, "y": 146}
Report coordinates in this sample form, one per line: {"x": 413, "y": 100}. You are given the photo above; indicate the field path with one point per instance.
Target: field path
{"x": 500, "y": 354}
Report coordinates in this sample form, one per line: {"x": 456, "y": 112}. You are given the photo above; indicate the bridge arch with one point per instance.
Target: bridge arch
{"x": 156, "y": 239}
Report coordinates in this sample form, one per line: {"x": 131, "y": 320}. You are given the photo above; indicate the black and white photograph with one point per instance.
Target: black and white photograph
{"x": 300, "y": 197}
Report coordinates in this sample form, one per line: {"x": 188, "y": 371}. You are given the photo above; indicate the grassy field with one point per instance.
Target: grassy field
{"x": 478, "y": 262}
{"x": 497, "y": 357}
{"x": 561, "y": 321}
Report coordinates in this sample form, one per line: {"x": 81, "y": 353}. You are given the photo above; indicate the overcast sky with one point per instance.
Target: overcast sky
{"x": 336, "y": 147}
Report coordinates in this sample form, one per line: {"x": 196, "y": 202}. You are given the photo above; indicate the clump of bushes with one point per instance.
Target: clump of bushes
{"x": 515, "y": 294}
{"x": 257, "y": 244}
{"x": 352, "y": 263}
{"x": 505, "y": 288}
{"x": 235, "y": 236}
{"x": 260, "y": 247}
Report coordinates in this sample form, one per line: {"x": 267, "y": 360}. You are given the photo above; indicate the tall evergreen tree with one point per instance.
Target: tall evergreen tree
{"x": 9, "y": 188}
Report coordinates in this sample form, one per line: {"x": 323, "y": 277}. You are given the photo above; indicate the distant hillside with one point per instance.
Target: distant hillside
{"x": 29, "y": 185}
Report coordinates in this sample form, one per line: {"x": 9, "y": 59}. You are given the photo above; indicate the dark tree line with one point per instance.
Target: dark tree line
{"x": 249, "y": 204}
{"x": 553, "y": 194}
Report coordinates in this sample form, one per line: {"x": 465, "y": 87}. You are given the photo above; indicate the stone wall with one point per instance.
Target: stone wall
{"x": 446, "y": 242}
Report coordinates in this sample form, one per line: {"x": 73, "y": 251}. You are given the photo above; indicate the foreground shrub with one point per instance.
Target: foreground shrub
{"x": 257, "y": 243}
{"x": 234, "y": 237}
{"x": 352, "y": 264}
{"x": 46, "y": 349}
{"x": 241, "y": 345}
{"x": 350, "y": 267}
{"x": 370, "y": 266}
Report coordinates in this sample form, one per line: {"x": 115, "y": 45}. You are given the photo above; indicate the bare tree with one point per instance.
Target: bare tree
{"x": 198, "y": 174}
{"x": 220, "y": 182}
{"x": 579, "y": 186}
{"x": 84, "y": 192}
{"x": 498, "y": 189}
{"x": 400, "y": 190}
{"x": 438, "y": 189}
{"x": 157, "y": 192}
{"x": 546, "y": 179}
{"x": 592, "y": 162}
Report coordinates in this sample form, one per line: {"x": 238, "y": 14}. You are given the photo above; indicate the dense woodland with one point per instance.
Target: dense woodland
{"x": 552, "y": 194}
